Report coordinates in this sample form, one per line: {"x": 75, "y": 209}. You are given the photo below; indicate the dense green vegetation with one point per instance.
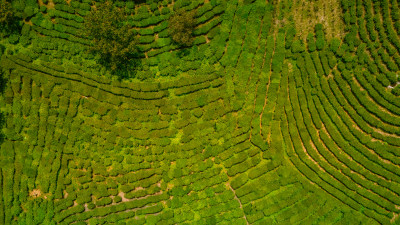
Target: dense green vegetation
{"x": 113, "y": 41}
{"x": 6, "y": 12}
{"x": 181, "y": 25}
{"x": 9, "y": 22}
{"x": 2, "y": 88}
{"x": 266, "y": 116}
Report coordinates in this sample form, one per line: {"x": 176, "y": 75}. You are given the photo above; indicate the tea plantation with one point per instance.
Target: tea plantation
{"x": 279, "y": 112}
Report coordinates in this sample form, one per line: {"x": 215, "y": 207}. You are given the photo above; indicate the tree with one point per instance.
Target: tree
{"x": 113, "y": 39}
{"x": 6, "y": 12}
{"x": 181, "y": 25}
{"x": 9, "y": 21}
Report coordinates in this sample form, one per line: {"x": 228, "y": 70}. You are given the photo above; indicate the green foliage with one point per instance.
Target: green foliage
{"x": 181, "y": 26}
{"x": 239, "y": 181}
{"x": 320, "y": 37}
{"x": 335, "y": 44}
{"x": 298, "y": 46}
{"x": 396, "y": 90}
{"x": 104, "y": 201}
{"x": 290, "y": 35}
{"x": 311, "y": 42}
{"x": 9, "y": 19}
{"x": 238, "y": 131}
{"x": 6, "y": 13}
{"x": 113, "y": 39}
{"x": 202, "y": 100}
{"x": 257, "y": 141}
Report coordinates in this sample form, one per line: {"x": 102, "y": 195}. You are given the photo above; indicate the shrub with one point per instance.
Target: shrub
{"x": 181, "y": 25}
{"x": 334, "y": 45}
{"x": 311, "y": 42}
{"x": 331, "y": 59}
{"x": 396, "y": 90}
{"x": 297, "y": 46}
{"x": 259, "y": 142}
{"x": 91, "y": 206}
{"x": 113, "y": 40}
{"x": 319, "y": 33}
{"x": 165, "y": 10}
{"x": 104, "y": 201}
{"x": 290, "y": 35}
{"x": 239, "y": 181}
{"x": 84, "y": 197}
{"x": 277, "y": 62}
{"x": 117, "y": 199}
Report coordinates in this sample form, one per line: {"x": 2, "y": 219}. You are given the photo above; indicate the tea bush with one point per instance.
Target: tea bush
{"x": 249, "y": 122}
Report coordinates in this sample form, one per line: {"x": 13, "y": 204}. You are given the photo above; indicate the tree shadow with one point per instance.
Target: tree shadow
{"x": 184, "y": 51}
{"x": 126, "y": 69}
{"x": 138, "y": 1}
{"x": 11, "y": 27}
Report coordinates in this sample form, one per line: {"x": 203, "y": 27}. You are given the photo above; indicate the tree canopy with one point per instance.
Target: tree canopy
{"x": 6, "y": 12}
{"x": 181, "y": 26}
{"x": 113, "y": 39}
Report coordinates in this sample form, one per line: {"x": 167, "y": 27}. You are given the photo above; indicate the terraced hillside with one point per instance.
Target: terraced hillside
{"x": 256, "y": 123}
